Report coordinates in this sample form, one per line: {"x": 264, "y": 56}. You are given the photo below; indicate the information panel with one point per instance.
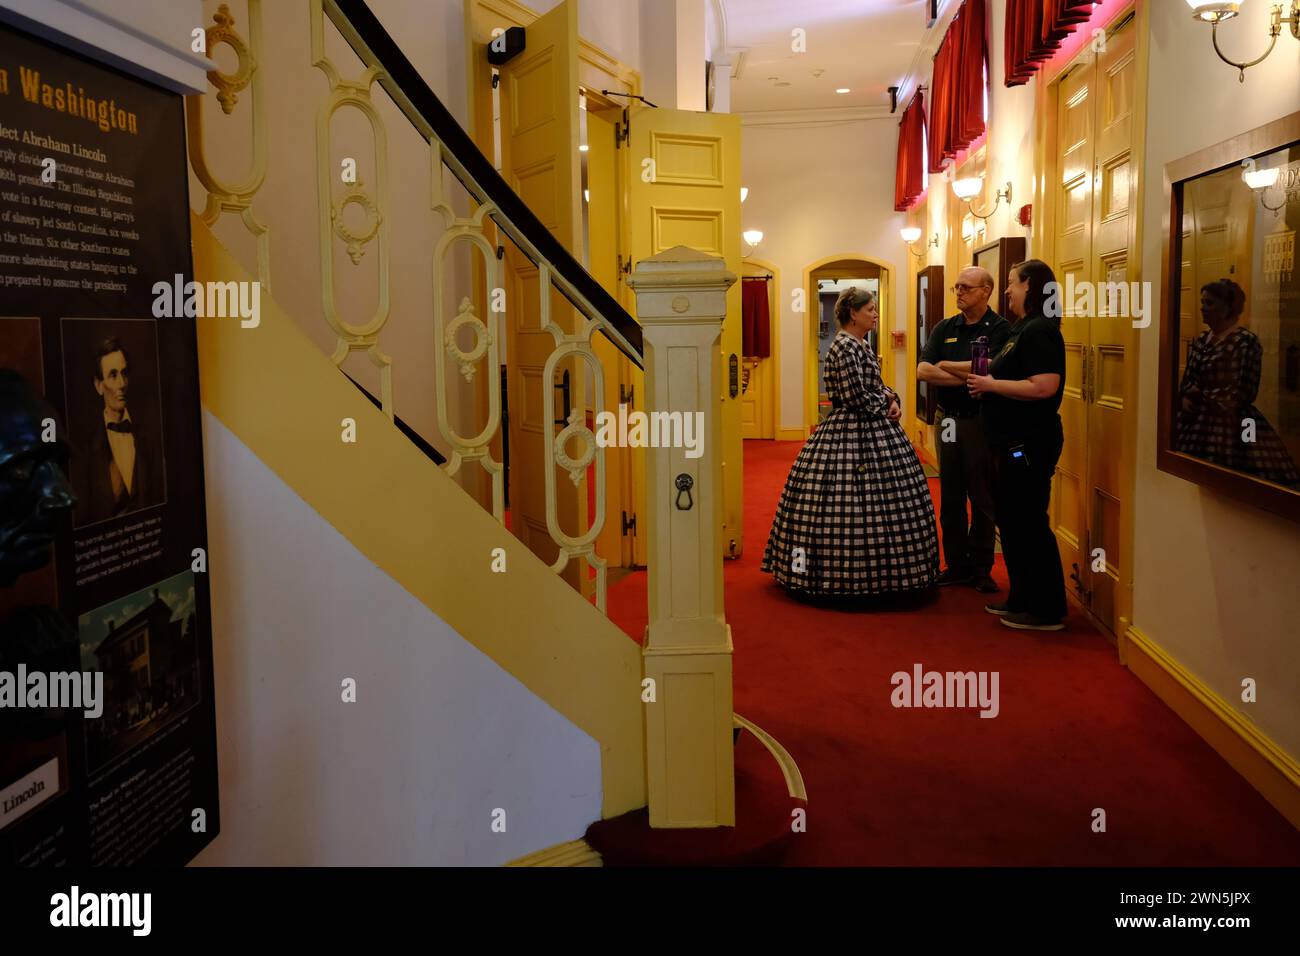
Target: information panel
{"x": 107, "y": 722}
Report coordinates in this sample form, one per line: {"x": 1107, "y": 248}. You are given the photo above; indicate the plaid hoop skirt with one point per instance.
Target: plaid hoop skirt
{"x": 1219, "y": 386}
{"x": 856, "y": 516}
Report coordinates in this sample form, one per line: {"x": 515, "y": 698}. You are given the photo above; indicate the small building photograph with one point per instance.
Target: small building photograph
{"x": 144, "y": 644}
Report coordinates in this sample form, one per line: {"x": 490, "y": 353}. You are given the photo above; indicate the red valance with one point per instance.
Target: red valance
{"x": 910, "y": 180}
{"x": 1035, "y": 30}
{"x": 957, "y": 108}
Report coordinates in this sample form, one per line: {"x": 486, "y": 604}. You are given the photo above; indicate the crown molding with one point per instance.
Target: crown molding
{"x": 720, "y": 19}
{"x": 819, "y": 117}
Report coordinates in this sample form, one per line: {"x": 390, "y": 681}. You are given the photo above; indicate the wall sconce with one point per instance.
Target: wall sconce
{"x": 1215, "y": 11}
{"x": 752, "y": 238}
{"x": 1261, "y": 181}
{"x": 744, "y": 193}
{"x": 912, "y": 233}
{"x": 967, "y": 189}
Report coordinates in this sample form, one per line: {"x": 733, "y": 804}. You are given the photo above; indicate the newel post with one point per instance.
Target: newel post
{"x": 690, "y": 772}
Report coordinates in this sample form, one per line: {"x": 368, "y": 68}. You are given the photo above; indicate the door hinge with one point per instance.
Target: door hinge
{"x": 625, "y": 398}
{"x": 622, "y": 132}
{"x": 629, "y": 524}
{"x": 624, "y": 267}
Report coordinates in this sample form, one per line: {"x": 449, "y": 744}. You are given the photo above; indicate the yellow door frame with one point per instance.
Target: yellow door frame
{"x": 840, "y": 262}
{"x": 749, "y": 267}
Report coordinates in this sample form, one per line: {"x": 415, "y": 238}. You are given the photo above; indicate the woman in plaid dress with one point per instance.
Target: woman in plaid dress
{"x": 856, "y": 516}
{"x": 1218, "y": 391}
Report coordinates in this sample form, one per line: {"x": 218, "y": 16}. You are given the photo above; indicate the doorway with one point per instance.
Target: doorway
{"x": 760, "y": 377}
{"x": 824, "y": 280}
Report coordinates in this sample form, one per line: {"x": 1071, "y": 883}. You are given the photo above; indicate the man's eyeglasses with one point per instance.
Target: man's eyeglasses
{"x": 959, "y": 288}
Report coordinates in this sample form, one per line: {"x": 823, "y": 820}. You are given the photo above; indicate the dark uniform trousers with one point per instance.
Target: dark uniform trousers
{"x": 1022, "y": 491}
{"x": 965, "y": 471}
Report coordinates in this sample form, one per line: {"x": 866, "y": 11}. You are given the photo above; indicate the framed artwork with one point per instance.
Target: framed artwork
{"x": 929, "y": 313}
{"x": 1229, "y": 392}
{"x": 998, "y": 257}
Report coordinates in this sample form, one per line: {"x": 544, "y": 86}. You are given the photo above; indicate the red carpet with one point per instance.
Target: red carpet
{"x": 763, "y": 834}
{"x": 943, "y": 787}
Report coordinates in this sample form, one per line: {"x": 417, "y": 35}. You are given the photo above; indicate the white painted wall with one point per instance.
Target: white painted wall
{"x": 432, "y": 37}
{"x": 439, "y": 735}
{"x": 1215, "y": 579}
{"x": 149, "y": 40}
{"x": 692, "y": 52}
{"x": 612, "y": 25}
{"x": 818, "y": 191}
{"x": 674, "y": 48}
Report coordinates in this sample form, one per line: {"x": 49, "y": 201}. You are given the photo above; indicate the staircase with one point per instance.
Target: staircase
{"x": 374, "y": 299}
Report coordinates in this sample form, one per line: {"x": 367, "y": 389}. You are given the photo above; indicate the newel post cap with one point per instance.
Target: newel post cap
{"x": 681, "y": 283}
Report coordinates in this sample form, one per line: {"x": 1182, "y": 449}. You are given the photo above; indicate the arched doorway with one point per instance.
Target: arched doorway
{"x": 823, "y": 281}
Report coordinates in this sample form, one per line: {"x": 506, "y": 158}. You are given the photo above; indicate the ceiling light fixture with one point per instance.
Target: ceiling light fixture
{"x": 843, "y": 89}
{"x": 1215, "y": 11}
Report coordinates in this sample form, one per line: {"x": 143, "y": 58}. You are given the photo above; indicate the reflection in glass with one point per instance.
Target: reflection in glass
{"x": 1238, "y": 402}
{"x": 1217, "y": 418}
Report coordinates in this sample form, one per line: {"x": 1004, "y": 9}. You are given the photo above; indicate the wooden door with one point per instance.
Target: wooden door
{"x": 1076, "y": 148}
{"x": 605, "y": 257}
{"x": 539, "y": 153}
{"x": 756, "y": 383}
{"x": 683, "y": 175}
{"x": 1111, "y": 335}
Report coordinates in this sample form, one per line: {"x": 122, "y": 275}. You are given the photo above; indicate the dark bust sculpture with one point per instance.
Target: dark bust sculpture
{"x": 34, "y": 489}
{"x": 34, "y": 500}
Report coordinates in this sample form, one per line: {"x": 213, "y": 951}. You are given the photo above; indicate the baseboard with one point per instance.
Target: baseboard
{"x": 791, "y": 434}
{"x": 575, "y": 853}
{"x": 1248, "y": 750}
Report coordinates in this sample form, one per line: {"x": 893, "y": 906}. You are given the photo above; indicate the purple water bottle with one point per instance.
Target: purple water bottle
{"x": 979, "y": 356}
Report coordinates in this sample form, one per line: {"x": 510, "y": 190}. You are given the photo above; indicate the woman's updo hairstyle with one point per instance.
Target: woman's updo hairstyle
{"x": 1043, "y": 295}
{"x": 850, "y": 299}
{"x": 1229, "y": 293}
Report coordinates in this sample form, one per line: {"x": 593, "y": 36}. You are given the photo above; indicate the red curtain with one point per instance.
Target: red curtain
{"x": 910, "y": 179}
{"x": 941, "y": 103}
{"x": 957, "y": 107}
{"x": 1035, "y": 30}
{"x": 756, "y": 319}
{"x": 968, "y": 117}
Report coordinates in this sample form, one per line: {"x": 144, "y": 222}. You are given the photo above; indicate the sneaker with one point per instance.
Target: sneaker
{"x": 1024, "y": 621}
{"x": 985, "y": 584}
{"x": 953, "y": 577}
{"x": 1001, "y": 610}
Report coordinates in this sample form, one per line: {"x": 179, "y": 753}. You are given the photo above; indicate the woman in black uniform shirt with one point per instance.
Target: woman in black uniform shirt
{"x": 1021, "y": 396}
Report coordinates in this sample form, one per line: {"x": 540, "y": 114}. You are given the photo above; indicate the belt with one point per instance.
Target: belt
{"x": 945, "y": 413}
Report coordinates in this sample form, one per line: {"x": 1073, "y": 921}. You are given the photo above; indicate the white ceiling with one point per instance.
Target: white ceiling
{"x": 865, "y": 45}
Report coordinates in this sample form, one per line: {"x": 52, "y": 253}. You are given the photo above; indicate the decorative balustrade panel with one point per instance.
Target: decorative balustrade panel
{"x": 356, "y": 215}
